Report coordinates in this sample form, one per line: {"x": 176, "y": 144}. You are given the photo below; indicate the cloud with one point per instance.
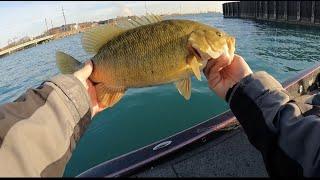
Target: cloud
{"x": 124, "y": 10}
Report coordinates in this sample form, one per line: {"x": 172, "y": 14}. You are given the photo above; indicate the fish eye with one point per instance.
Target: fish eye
{"x": 218, "y": 33}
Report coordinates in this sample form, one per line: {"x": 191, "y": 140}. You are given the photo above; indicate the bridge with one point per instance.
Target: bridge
{"x": 25, "y": 45}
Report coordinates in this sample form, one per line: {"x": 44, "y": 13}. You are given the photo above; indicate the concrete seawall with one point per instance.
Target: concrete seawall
{"x": 294, "y": 12}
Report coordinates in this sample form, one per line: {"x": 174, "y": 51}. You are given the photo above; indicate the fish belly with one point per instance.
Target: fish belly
{"x": 156, "y": 71}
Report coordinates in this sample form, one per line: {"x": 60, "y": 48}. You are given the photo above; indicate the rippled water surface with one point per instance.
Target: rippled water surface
{"x": 149, "y": 114}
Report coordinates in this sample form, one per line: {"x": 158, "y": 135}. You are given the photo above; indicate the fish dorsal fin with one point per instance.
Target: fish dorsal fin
{"x": 94, "y": 39}
{"x": 139, "y": 21}
{"x": 184, "y": 87}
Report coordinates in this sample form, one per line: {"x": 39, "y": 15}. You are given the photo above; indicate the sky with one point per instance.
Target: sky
{"x": 19, "y": 18}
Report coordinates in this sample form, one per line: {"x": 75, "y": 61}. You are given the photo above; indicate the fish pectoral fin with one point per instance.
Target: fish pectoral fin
{"x": 95, "y": 38}
{"x": 195, "y": 66}
{"x": 184, "y": 87}
{"x": 107, "y": 97}
{"x": 66, "y": 63}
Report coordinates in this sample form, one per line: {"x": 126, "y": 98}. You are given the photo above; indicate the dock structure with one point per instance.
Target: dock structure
{"x": 25, "y": 45}
{"x": 294, "y": 12}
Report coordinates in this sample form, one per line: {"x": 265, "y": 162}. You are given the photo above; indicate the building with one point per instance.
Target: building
{"x": 69, "y": 27}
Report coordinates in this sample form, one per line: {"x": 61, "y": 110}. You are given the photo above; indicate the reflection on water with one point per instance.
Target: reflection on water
{"x": 149, "y": 114}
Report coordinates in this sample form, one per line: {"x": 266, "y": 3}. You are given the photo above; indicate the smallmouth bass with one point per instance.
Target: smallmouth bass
{"x": 148, "y": 51}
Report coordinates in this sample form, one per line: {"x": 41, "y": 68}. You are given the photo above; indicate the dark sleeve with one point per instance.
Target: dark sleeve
{"x": 286, "y": 132}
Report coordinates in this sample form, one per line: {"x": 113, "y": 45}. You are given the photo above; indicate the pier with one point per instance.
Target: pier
{"x": 294, "y": 12}
{"x": 26, "y": 45}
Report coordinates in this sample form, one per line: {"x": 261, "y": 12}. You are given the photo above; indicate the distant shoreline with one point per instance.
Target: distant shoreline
{"x": 64, "y": 34}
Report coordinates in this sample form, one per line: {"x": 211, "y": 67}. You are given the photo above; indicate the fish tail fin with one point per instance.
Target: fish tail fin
{"x": 66, "y": 63}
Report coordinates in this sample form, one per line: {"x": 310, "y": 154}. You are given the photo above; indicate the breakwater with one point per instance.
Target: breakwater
{"x": 294, "y": 12}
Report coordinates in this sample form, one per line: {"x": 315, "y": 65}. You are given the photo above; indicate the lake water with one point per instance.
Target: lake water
{"x": 150, "y": 114}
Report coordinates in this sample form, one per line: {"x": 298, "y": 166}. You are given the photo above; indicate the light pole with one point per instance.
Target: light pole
{"x": 45, "y": 19}
{"x": 64, "y": 17}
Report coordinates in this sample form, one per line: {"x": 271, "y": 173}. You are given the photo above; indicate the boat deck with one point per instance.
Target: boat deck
{"x": 229, "y": 155}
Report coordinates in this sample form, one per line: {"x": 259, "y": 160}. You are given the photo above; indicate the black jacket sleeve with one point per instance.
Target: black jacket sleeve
{"x": 286, "y": 131}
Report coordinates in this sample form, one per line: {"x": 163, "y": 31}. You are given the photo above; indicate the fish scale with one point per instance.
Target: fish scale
{"x": 137, "y": 57}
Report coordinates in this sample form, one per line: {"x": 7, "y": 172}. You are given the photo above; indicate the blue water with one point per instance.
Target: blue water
{"x": 149, "y": 114}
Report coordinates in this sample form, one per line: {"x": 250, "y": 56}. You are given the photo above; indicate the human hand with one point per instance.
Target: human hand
{"x": 83, "y": 75}
{"x": 223, "y": 73}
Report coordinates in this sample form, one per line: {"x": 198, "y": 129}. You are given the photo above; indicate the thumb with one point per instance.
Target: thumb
{"x": 85, "y": 71}
{"x": 222, "y": 62}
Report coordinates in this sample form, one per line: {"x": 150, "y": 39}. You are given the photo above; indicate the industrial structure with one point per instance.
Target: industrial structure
{"x": 294, "y": 12}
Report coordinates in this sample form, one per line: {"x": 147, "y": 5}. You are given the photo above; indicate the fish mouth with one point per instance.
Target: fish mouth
{"x": 201, "y": 56}
{"x": 210, "y": 54}
{"x": 204, "y": 56}
{"x": 196, "y": 52}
